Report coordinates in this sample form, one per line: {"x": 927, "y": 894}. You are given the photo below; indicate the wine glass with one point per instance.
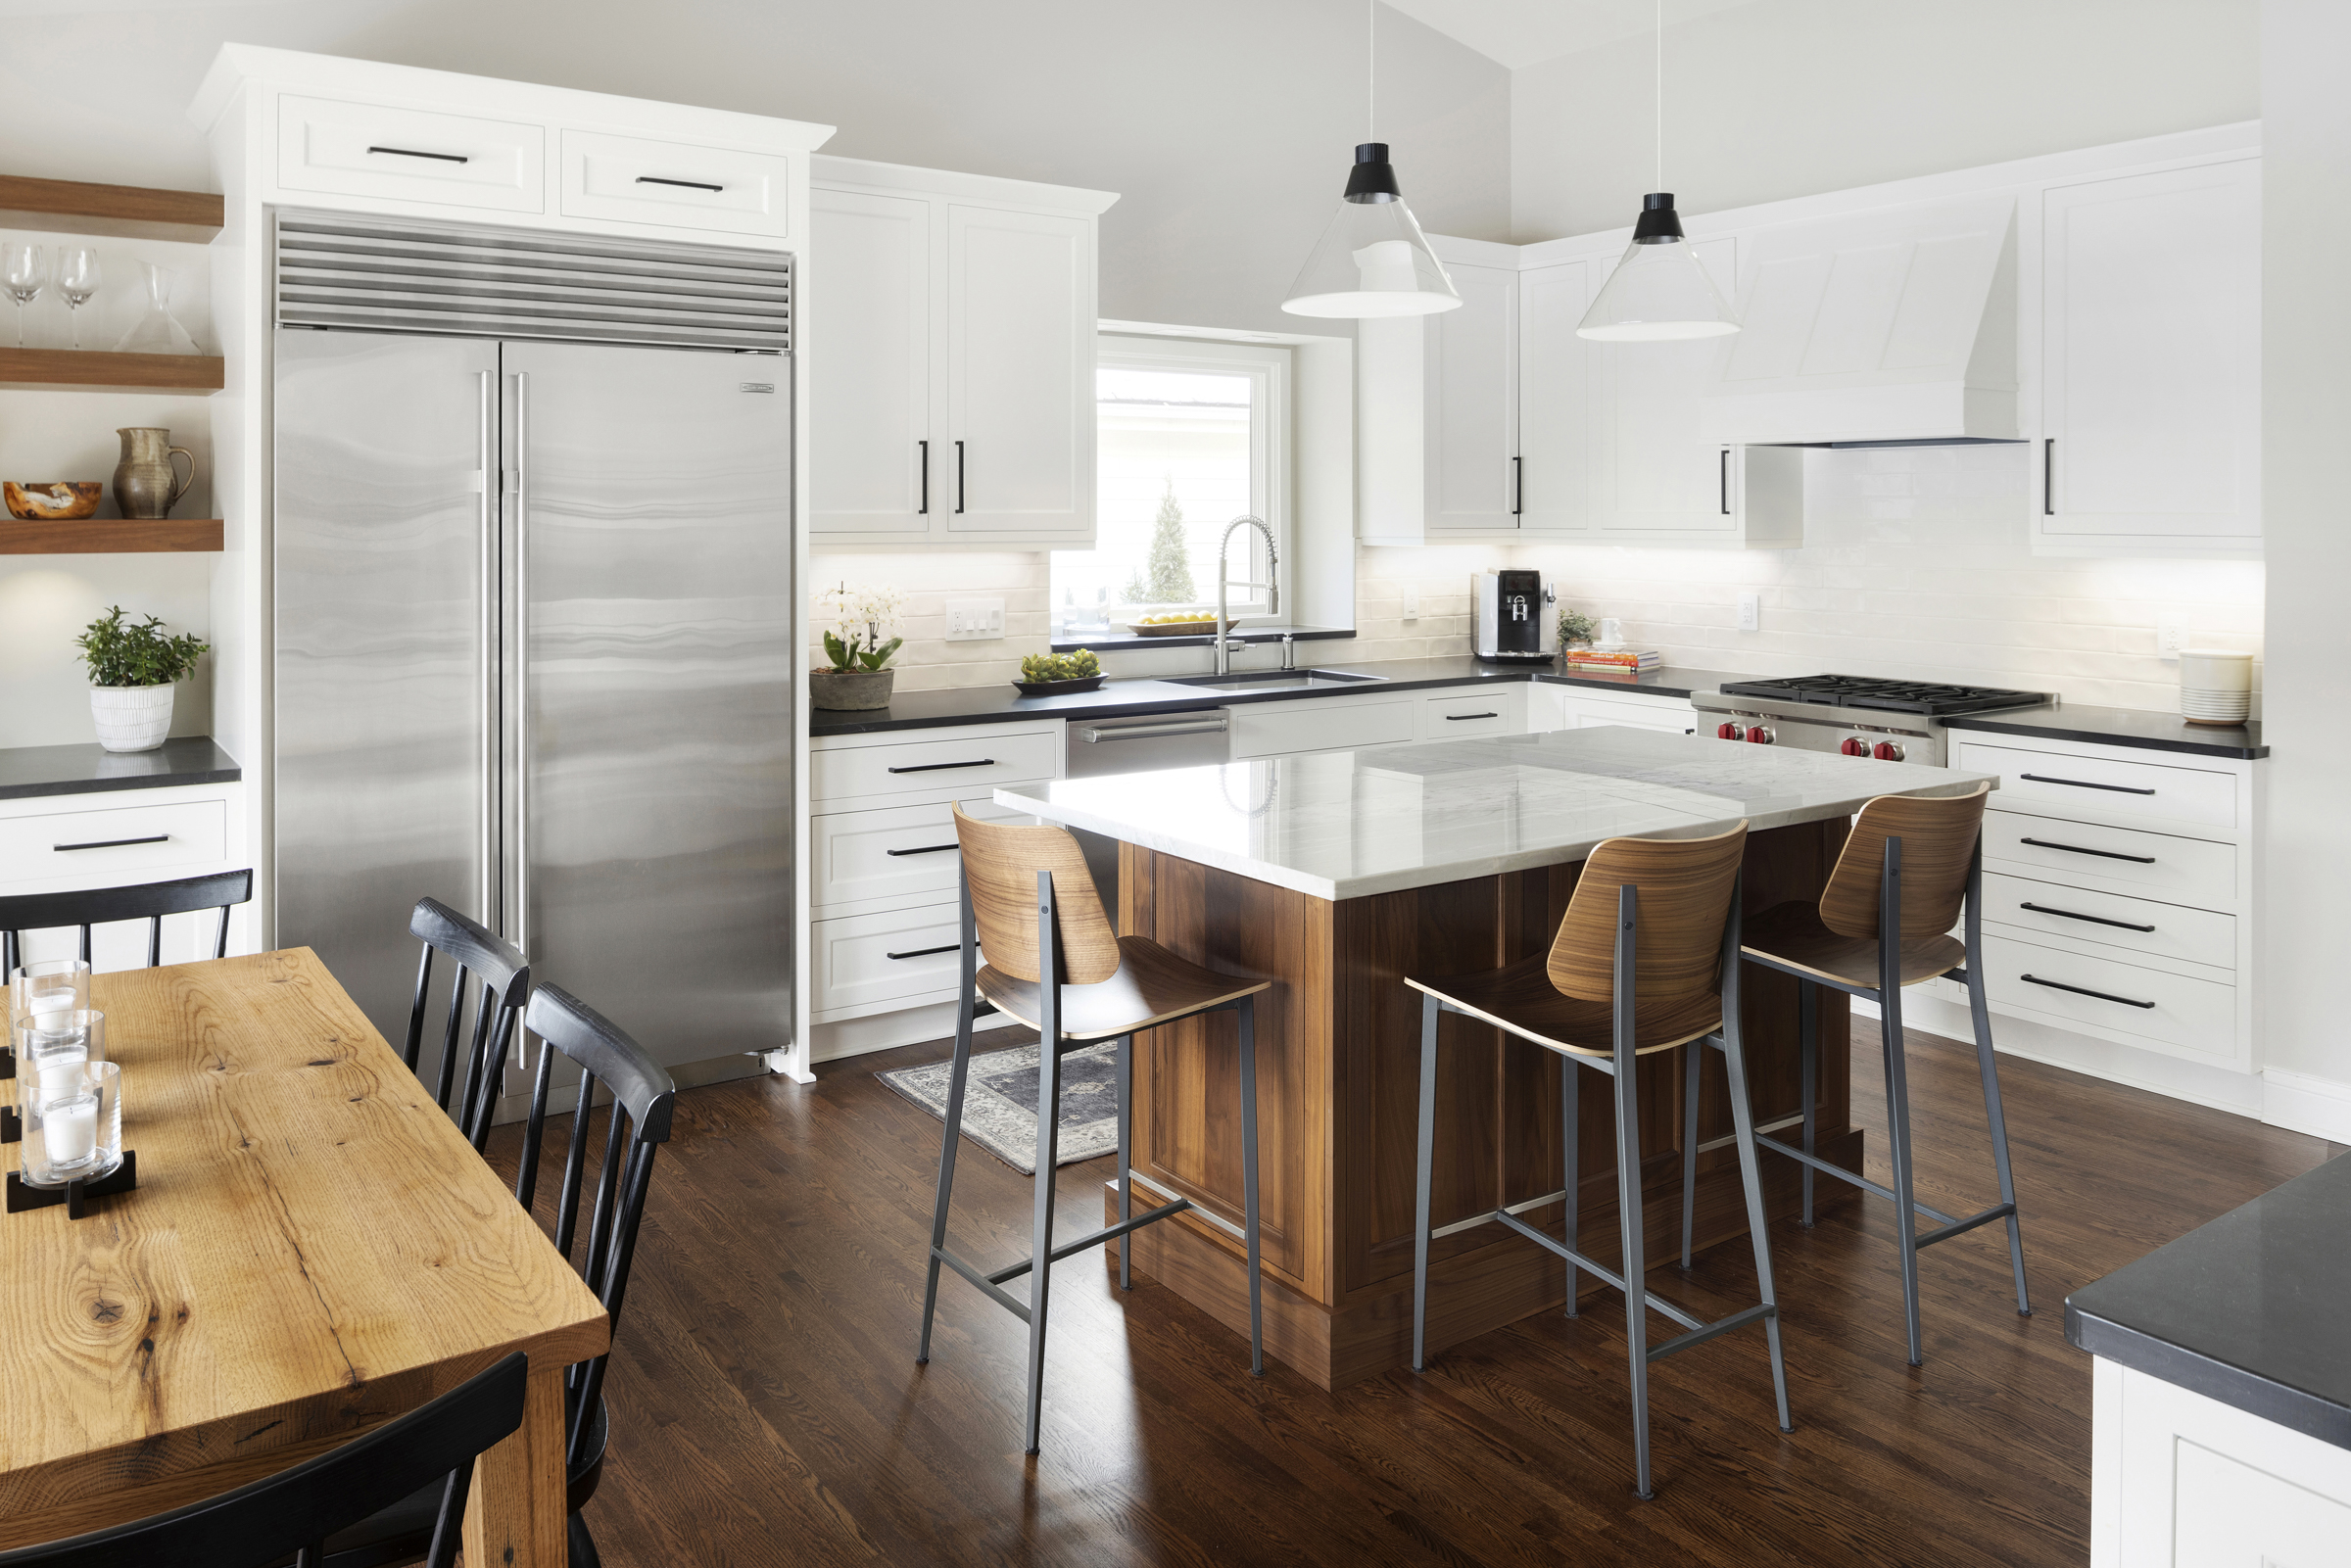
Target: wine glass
{"x": 23, "y": 272}
{"x": 78, "y": 279}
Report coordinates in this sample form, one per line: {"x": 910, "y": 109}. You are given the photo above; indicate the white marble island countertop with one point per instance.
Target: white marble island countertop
{"x": 1346, "y": 824}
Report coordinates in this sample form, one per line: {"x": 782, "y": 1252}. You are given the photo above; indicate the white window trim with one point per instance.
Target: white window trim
{"x": 1267, "y": 365}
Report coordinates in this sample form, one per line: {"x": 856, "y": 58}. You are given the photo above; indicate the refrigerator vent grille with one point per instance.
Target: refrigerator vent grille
{"x": 511, "y": 283}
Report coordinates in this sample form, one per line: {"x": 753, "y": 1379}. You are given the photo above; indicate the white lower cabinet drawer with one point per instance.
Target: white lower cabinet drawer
{"x": 892, "y": 853}
{"x": 2171, "y": 1011}
{"x": 1461, "y": 716}
{"x": 120, "y": 844}
{"x": 2140, "y": 926}
{"x": 629, "y": 179}
{"x": 880, "y": 963}
{"x": 1332, "y": 724}
{"x": 410, "y": 155}
{"x": 2050, "y": 781}
{"x": 2165, "y": 866}
{"x": 848, "y": 777}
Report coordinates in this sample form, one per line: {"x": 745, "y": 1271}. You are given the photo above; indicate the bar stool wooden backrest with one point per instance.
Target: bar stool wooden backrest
{"x": 1684, "y": 895}
{"x": 1000, "y": 863}
{"x": 1938, "y": 835}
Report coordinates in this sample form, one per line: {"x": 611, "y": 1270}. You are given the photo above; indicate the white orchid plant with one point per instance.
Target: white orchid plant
{"x": 855, "y": 619}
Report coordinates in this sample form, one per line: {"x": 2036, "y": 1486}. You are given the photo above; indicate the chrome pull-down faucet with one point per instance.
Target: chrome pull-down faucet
{"x": 1225, "y": 641}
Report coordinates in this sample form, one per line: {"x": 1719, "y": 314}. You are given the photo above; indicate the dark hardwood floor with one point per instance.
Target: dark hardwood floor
{"x": 766, "y": 1407}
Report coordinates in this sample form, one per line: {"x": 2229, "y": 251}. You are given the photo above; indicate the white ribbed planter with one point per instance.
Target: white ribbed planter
{"x": 131, "y": 718}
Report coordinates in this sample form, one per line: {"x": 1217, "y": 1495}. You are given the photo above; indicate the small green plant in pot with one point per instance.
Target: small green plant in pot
{"x": 1576, "y": 629}
{"x": 134, "y": 668}
{"x": 855, "y": 621}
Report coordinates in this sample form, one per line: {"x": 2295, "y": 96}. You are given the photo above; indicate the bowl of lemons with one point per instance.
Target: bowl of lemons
{"x": 1182, "y": 623}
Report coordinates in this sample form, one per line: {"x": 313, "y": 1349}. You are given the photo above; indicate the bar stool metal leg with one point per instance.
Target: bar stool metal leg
{"x": 1808, "y": 1049}
{"x": 1690, "y": 1054}
{"x": 1750, "y": 1176}
{"x": 1257, "y": 1317}
{"x": 958, "y": 1076}
{"x": 1427, "y": 1171}
{"x": 1570, "y": 1132}
{"x": 1125, "y": 1089}
{"x": 1987, "y": 1068}
{"x": 1628, "y": 1187}
{"x": 1898, "y": 1089}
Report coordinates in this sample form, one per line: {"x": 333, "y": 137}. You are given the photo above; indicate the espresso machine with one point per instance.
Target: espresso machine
{"x": 1516, "y": 617}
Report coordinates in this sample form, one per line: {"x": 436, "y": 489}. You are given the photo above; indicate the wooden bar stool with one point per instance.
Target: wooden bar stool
{"x": 1646, "y": 960}
{"x": 1907, "y": 868}
{"x": 1074, "y": 982}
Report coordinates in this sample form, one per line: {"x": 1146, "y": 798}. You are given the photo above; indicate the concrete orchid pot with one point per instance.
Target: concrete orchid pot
{"x": 860, "y": 677}
{"x": 850, "y": 689}
{"x": 131, "y": 718}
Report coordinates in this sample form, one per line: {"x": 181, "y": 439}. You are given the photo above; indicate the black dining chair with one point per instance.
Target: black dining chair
{"x": 223, "y": 890}
{"x": 505, "y": 985}
{"x": 288, "y": 1516}
{"x": 642, "y": 1096}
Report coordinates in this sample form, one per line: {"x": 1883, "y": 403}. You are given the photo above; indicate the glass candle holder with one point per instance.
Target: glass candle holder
{"x": 53, "y": 985}
{"x": 73, "y": 1123}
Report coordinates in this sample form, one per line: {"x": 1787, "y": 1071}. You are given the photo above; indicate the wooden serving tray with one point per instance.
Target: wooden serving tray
{"x": 1205, "y": 627}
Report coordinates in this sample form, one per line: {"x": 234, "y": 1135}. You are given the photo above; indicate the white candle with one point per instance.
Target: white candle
{"x": 69, "y": 1130}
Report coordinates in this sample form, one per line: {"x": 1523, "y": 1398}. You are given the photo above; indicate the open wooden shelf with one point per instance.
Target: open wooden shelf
{"x": 129, "y": 212}
{"x": 109, "y": 536}
{"x": 95, "y": 371}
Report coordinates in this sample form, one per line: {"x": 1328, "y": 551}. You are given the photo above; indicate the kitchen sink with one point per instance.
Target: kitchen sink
{"x": 1274, "y": 680}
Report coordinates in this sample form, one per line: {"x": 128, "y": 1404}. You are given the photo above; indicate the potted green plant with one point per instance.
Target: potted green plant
{"x": 133, "y": 670}
{"x": 855, "y": 619}
{"x": 1576, "y": 629}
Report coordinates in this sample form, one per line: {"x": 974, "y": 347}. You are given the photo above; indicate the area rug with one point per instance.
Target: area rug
{"x": 999, "y": 1103}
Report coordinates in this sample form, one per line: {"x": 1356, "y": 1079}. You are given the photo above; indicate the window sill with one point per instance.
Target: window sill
{"x": 1127, "y": 642}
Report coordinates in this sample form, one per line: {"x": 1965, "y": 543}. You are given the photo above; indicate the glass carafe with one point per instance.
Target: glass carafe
{"x": 157, "y": 331}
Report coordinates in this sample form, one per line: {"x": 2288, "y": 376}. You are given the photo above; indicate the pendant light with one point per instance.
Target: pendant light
{"x": 1659, "y": 292}
{"x": 1372, "y": 260}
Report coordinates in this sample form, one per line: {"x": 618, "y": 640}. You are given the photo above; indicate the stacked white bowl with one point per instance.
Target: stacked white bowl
{"x": 2216, "y": 686}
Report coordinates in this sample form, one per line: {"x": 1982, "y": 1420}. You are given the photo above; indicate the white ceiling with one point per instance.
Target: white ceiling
{"x": 1520, "y": 32}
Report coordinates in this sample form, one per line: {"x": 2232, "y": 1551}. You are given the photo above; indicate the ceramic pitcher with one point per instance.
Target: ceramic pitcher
{"x": 146, "y": 484}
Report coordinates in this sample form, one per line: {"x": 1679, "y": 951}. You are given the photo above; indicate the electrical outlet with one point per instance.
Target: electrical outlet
{"x": 1750, "y": 611}
{"x": 1411, "y": 604}
{"x": 2170, "y": 636}
{"x": 975, "y": 620}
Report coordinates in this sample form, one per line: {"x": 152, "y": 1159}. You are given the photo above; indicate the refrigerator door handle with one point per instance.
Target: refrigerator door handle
{"x": 487, "y": 480}
{"x": 521, "y": 754}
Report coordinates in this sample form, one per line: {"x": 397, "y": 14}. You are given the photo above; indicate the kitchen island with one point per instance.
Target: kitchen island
{"x": 1339, "y": 873}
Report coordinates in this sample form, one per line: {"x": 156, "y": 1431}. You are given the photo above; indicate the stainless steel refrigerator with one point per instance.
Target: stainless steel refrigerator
{"x": 535, "y": 620}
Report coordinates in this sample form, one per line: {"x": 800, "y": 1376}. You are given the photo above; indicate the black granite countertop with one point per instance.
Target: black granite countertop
{"x": 90, "y": 769}
{"x": 2119, "y": 727}
{"x": 2247, "y": 1309}
{"x": 998, "y": 704}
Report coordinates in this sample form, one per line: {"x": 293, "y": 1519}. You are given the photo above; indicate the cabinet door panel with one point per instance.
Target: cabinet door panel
{"x": 2151, "y": 356}
{"x": 869, "y": 346}
{"x": 1020, "y": 374}
{"x": 1554, "y": 368}
{"x": 1653, "y": 469}
{"x": 1472, "y": 393}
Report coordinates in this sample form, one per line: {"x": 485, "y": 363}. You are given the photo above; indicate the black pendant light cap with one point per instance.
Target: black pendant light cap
{"x": 1658, "y": 224}
{"x": 1373, "y": 177}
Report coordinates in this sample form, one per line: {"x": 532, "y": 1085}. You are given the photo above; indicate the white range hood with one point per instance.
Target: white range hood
{"x": 1895, "y": 325}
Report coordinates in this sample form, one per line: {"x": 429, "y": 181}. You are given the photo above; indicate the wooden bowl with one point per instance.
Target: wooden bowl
{"x": 62, "y": 501}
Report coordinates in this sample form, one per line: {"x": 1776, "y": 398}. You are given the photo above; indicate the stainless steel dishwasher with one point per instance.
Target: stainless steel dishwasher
{"x": 1188, "y": 738}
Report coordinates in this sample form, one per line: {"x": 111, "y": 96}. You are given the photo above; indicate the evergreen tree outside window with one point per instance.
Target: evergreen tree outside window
{"x": 1167, "y": 577}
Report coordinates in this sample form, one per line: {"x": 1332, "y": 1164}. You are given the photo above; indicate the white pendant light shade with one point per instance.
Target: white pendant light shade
{"x": 1372, "y": 260}
{"x": 1659, "y": 292}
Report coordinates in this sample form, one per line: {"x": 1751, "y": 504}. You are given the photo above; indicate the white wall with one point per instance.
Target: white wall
{"x": 1796, "y": 97}
{"x": 2305, "y": 404}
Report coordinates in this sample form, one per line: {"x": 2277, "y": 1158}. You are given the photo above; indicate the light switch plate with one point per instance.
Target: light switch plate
{"x": 1750, "y": 611}
{"x": 975, "y": 620}
{"x": 2170, "y": 636}
{"x": 1411, "y": 604}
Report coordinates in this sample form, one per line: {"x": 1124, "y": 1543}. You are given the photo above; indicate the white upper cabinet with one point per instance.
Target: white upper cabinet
{"x": 951, "y": 324}
{"x": 1471, "y": 404}
{"x": 1554, "y": 400}
{"x": 872, "y": 344}
{"x": 2150, "y": 364}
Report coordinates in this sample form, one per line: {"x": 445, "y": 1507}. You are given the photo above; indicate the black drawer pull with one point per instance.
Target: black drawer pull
{"x": 411, "y": 152}
{"x": 2085, "y": 783}
{"x": 2077, "y": 849}
{"x": 690, "y": 184}
{"x": 935, "y": 767}
{"x": 926, "y": 952}
{"x": 2057, "y": 985}
{"x": 932, "y": 849}
{"x": 1451, "y": 718}
{"x": 2094, "y": 920}
{"x": 110, "y": 843}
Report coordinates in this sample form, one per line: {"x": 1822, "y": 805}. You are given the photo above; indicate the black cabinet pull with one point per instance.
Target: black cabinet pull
{"x": 2077, "y": 849}
{"x": 110, "y": 843}
{"x": 2080, "y": 990}
{"x": 1724, "y": 479}
{"x": 2049, "y": 466}
{"x": 1518, "y": 485}
{"x": 922, "y": 448}
{"x": 932, "y": 849}
{"x": 411, "y": 152}
{"x": 936, "y": 767}
{"x": 959, "y": 476}
{"x": 2094, "y": 920}
{"x": 690, "y": 184}
{"x": 1454, "y": 718}
{"x": 2085, "y": 783}
{"x": 927, "y": 952}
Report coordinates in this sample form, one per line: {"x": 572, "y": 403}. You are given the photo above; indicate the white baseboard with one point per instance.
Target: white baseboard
{"x": 2302, "y": 1102}
{"x": 2197, "y": 1082}
{"x": 886, "y": 1031}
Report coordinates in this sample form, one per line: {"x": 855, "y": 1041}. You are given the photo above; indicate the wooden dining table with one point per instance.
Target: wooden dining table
{"x": 311, "y": 1250}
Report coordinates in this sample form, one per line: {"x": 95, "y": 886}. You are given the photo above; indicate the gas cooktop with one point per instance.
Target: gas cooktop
{"x": 1896, "y": 696}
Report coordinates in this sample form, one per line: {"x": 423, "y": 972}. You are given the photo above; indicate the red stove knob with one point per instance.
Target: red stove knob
{"x": 1729, "y": 730}
{"x": 1854, "y": 746}
{"x": 1889, "y": 751}
{"x": 1760, "y": 734}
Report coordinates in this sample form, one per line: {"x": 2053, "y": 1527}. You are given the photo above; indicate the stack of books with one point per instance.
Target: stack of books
{"x": 1629, "y": 659}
